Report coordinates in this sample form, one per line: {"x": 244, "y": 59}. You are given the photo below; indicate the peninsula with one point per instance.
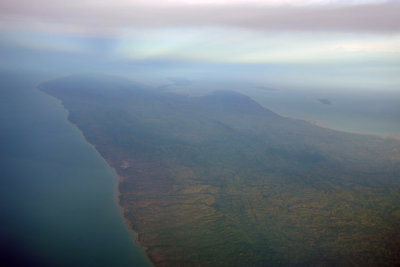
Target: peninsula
{"x": 221, "y": 181}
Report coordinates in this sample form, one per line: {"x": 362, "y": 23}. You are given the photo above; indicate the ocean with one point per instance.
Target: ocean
{"x": 58, "y": 197}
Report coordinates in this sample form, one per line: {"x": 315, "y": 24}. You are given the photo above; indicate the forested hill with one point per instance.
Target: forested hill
{"x": 220, "y": 180}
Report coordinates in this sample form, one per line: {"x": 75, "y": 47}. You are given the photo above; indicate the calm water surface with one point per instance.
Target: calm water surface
{"x": 58, "y": 204}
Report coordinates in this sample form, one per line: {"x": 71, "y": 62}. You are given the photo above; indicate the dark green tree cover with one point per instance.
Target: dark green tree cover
{"x": 221, "y": 181}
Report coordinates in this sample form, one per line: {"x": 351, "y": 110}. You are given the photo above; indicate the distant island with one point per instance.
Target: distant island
{"x": 221, "y": 181}
{"x": 324, "y": 101}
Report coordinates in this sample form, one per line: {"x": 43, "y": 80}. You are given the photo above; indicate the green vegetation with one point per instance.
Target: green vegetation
{"x": 221, "y": 181}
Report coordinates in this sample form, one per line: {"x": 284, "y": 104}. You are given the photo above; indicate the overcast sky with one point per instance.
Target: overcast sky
{"x": 335, "y": 32}
{"x": 113, "y": 17}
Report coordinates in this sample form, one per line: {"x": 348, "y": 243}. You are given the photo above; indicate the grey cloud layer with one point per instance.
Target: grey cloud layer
{"x": 368, "y": 17}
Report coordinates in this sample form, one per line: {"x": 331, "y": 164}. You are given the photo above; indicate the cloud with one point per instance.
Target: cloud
{"x": 112, "y": 17}
{"x": 241, "y": 46}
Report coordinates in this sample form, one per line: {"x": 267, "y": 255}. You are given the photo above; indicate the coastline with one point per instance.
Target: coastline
{"x": 322, "y": 125}
{"x": 118, "y": 179}
{"x": 126, "y": 221}
{"x": 118, "y": 194}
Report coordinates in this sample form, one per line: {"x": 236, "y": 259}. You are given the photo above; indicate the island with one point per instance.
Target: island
{"x": 219, "y": 180}
{"x": 324, "y": 101}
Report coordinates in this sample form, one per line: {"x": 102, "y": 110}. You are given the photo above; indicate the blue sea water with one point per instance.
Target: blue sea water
{"x": 359, "y": 111}
{"x": 58, "y": 199}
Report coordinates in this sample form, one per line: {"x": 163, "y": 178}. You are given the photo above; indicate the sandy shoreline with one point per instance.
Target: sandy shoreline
{"x": 126, "y": 221}
{"x": 117, "y": 193}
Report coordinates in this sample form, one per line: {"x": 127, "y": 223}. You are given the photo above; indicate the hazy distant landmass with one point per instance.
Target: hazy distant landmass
{"x": 221, "y": 181}
{"x": 175, "y": 81}
{"x": 324, "y": 101}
